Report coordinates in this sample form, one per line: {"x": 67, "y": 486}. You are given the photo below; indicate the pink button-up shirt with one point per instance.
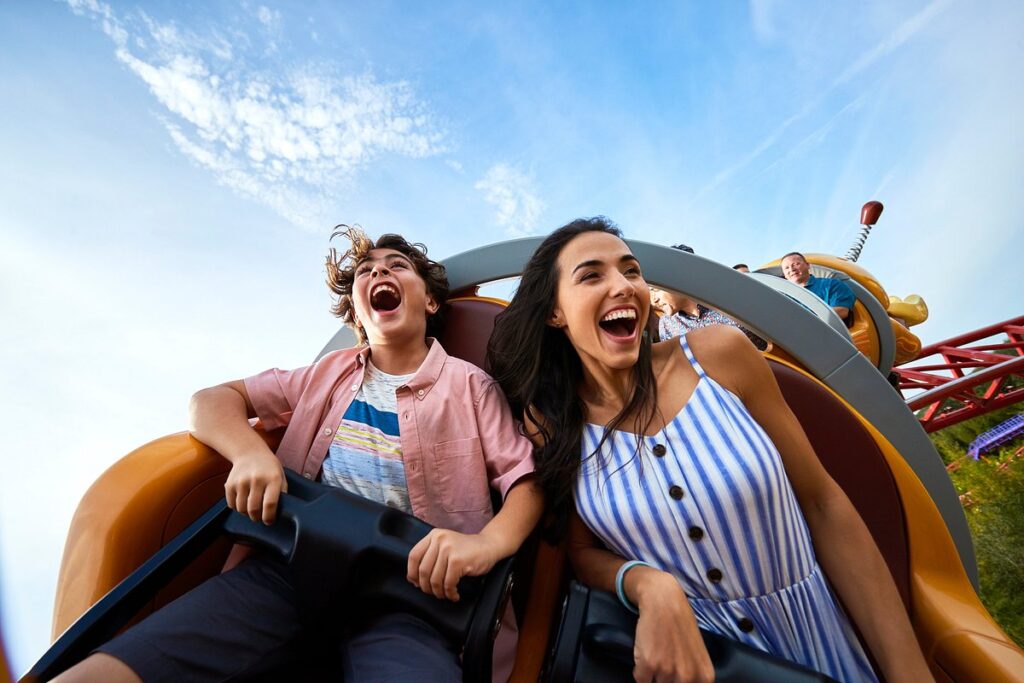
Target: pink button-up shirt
{"x": 458, "y": 436}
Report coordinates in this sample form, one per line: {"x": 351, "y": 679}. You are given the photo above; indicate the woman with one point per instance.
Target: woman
{"x": 683, "y": 455}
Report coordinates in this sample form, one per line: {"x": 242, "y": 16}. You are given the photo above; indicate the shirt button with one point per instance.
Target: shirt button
{"x": 696, "y": 533}
{"x": 419, "y": 393}
{"x": 307, "y": 475}
{"x": 327, "y": 432}
{"x": 676, "y": 492}
{"x": 714, "y": 575}
{"x": 659, "y": 450}
{"x": 354, "y": 387}
{"x": 745, "y": 625}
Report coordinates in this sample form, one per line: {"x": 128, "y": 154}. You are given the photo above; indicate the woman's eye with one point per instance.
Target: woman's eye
{"x": 588, "y": 276}
{"x": 633, "y": 271}
{"x": 362, "y": 270}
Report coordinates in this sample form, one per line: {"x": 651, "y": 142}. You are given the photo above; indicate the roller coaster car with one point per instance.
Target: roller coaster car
{"x": 867, "y": 440}
{"x": 879, "y": 324}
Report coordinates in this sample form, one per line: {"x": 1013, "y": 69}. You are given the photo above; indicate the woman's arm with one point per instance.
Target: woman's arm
{"x": 842, "y": 542}
{"x": 219, "y": 417}
{"x": 668, "y": 646}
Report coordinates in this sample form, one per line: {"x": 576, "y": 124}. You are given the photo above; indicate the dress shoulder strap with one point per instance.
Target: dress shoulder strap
{"x": 690, "y": 357}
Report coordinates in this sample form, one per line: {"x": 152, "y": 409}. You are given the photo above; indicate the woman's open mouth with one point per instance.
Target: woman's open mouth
{"x": 620, "y": 324}
{"x": 384, "y": 298}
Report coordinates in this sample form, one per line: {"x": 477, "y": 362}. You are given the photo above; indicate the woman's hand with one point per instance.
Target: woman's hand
{"x": 255, "y": 484}
{"x": 668, "y": 647}
{"x": 443, "y": 557}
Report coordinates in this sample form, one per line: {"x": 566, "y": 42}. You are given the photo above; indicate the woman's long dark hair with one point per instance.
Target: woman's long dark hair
{"x": 540, "y": 371}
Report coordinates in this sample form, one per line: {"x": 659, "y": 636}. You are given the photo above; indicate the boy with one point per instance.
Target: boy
{"x": 395, "y": 420}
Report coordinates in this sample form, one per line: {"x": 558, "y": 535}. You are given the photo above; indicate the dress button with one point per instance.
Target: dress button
{"x": 696, "y": 533}
{"x": 745, "y": 625}
{"x": 659, "y": 450}
{"x": 714, "y": 575}
{"x": 676, "y": 492}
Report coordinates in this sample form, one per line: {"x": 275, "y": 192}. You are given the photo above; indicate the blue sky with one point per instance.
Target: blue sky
{"x": 172, "y": 171}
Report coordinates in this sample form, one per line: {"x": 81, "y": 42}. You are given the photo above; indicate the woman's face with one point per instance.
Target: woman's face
{"x": 602, "y": 301}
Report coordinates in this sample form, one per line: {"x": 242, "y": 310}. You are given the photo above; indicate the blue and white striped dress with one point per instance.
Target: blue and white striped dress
{"x": 707, "y": 499}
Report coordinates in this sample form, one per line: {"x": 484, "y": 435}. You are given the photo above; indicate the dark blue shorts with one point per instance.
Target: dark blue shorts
{"x": 245, "y": 625}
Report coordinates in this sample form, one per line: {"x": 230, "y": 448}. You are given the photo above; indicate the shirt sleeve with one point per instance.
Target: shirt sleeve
{"x": 840, "y": 294}
{"x": 274, "y": 394}
{"x": 508, "y": 454}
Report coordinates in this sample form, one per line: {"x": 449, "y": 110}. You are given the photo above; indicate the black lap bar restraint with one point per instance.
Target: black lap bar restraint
{"x": 329, "y": 537}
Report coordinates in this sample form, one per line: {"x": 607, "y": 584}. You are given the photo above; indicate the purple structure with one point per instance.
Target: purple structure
{"x": 998, "y": 435}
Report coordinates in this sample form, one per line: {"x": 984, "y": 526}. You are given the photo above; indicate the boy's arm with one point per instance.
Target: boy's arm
{"x": 444, "y": 556}
{"x": 219, "y": 417}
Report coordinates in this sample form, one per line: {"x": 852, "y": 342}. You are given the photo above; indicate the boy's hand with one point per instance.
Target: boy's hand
{"x": 443, "y": 557}
{"x": 254, "y": 486}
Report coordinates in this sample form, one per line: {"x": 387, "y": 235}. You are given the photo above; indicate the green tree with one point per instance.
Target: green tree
{"x": 992, "y": 491}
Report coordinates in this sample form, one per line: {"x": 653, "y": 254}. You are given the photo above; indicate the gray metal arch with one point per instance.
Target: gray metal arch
{"x": 807, "y": 299}
{"x": 826, "y": 352}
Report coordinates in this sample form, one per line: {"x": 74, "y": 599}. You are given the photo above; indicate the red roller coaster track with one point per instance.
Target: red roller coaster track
{"x": 970, "y": 380}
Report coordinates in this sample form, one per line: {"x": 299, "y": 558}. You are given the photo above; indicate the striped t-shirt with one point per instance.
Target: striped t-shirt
{"x": 365, "y": 456}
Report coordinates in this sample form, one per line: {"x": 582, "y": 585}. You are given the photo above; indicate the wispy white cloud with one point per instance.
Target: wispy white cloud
{"x": 816, "y": 137}
{"x": 268, "y": 17}
{"x": 512, "y": 194}
{"x": 760, "y": 16}
{"x": 903, "y": 33}
{"x": 272, "y": 26}
{"x": 761, "y": 20}
{"x": 290, "y": 142}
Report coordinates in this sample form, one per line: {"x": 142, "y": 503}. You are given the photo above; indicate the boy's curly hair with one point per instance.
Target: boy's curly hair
{"x": 341, "y": 272}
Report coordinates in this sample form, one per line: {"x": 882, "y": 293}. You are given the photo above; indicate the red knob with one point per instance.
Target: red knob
{"x": 870, "y": 213}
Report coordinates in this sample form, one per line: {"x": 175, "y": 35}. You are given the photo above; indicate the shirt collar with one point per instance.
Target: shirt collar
{"x": 428, "y": 372}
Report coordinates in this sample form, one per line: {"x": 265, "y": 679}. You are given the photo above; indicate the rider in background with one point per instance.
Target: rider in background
{"x": 680, "y": 313}
{"x": 833, "y": 292}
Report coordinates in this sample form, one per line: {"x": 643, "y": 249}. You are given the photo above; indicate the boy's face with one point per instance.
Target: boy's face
{"x": 390, "y": 298}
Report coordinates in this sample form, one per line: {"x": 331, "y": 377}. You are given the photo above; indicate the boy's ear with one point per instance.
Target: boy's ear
{"x": 352, "y": 315}
{"x": 432, "y": 305}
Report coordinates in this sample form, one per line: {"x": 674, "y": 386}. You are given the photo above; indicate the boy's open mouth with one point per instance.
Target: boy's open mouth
{"x": 384, "y": 297}
{"x": 620, "y": 323}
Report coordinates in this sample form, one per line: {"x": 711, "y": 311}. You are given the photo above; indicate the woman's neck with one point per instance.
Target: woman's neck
{"x": 604, "y": 386}
{"x": 399, "y": 357}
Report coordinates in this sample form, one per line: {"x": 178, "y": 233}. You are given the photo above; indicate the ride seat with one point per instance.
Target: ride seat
{"x": 852, "y": 457}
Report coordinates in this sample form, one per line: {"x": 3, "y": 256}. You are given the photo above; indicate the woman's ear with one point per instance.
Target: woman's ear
{"x": 556, "y": 319}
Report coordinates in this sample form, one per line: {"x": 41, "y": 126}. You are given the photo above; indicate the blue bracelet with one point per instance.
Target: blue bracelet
{"x": 620, "y": 579}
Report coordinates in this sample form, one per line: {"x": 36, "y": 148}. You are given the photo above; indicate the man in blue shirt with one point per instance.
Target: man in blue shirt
{"x": 833, "y": 292}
